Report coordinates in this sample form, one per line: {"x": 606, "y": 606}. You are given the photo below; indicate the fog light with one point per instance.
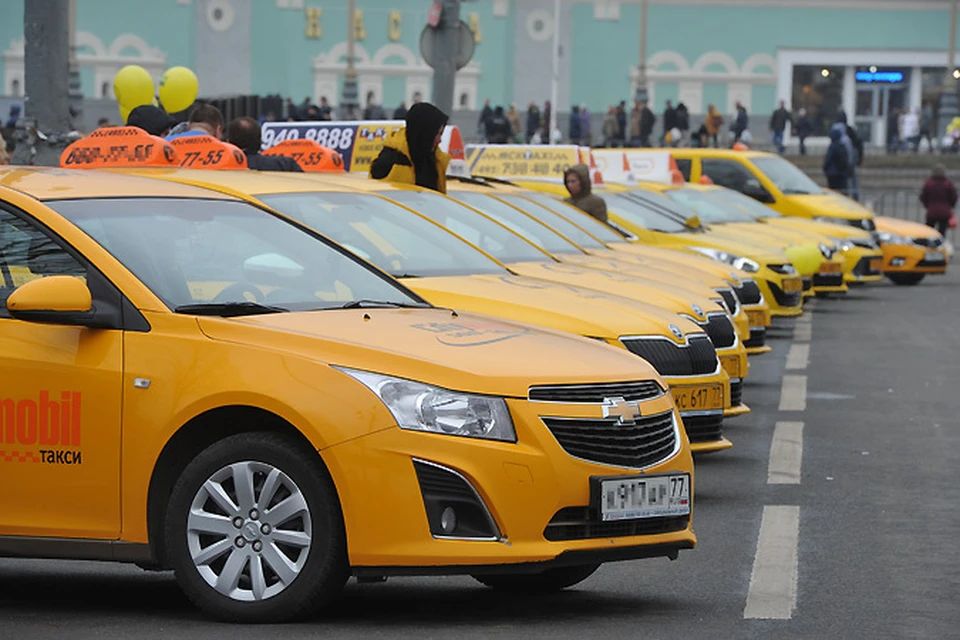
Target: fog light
{"x": 897, "y": 262}
{"x": 448, "y": 520}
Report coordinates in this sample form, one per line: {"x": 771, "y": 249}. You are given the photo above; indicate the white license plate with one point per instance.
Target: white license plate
{"x": 644, "y": 497}
{"x": 934, "y": 256}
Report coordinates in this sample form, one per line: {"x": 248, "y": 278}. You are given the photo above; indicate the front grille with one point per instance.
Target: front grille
{"x": 647, "y": 441}
{"x": 736, "y": 392}
{"x": 749, "y": 292}
{"x": 785, "y": 269}
{"x": 730, "y": 298}
{"x": 582, "y": 523}
{"x": 720, "y": 330}
{"x": 807, "y": 283}
{"x": 596, "y": 393}
{"x": 784, "y": 299}
{"x": 862, "y": 268}
{"x": 697, "y": 357}
{"x": 704, "y": 428}
{"x": 933, "y": 243}
{"x": 758, "y": 337}
{"x": 932, "y": 263}
{"x": 827, "y": 279}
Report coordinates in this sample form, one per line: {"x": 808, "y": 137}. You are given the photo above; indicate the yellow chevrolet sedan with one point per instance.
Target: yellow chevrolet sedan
{"x": 449, "y": 271}
{"x": 255, "y": 437}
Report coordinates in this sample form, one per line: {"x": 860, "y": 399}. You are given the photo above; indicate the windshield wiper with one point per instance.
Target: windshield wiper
{"x": 797, "y": 192}
{"x": 228, "y": 309}
{"x": 365, "y": 303}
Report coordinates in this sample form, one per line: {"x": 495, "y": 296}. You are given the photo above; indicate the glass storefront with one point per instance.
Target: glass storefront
{"x": 882, "y": 97}
{"x": 819, "y": 90}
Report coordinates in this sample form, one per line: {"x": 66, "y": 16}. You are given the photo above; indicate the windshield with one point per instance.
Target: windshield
{"x": 517, "y": 221}
{"x": 503, "y": 244}
{"x": 393, "y": 238}
{"x": 193, "y": 251}
{"x": 555, "y": 221}
{"x": 744, "y": 204}
{"x": 786, "y": 176}
{"x": 709, "y": 209}
{"x": 648, "y": 211}
{"x": 580, "y": 218}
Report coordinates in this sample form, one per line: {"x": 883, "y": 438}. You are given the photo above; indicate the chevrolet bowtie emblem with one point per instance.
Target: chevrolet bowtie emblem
{"x": 626, "y": 412}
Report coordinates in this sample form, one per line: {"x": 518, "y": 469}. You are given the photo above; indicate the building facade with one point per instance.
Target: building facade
{"x": 867, "y": 57}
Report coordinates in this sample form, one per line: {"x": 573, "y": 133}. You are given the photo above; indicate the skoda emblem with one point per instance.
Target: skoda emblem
{"x": 675, "y": 330}
{"x": 625, "y": 412}
{"x": 696, "y": 309}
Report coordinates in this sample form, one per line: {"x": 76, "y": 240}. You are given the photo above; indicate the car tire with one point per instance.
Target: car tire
{"x": 905, "y": 279}
{"x": 544, "y": 582}
{"x": 255, "y": 532}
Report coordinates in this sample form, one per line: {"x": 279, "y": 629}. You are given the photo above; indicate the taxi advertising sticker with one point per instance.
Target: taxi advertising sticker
{"x": 119, "y": 147}
{"x": 357, "y": 142}
{"x": 521, "y": 161}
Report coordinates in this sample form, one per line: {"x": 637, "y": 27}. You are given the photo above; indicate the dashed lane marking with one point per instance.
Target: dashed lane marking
{"x": 793, "y": 393}
{"x": 773, "y": 583}
{"x": 798, "y": 356}
{"x": 786, "y": 453}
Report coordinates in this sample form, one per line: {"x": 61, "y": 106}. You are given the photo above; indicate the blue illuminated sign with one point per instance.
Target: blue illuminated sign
{"x": 880, "y": 76}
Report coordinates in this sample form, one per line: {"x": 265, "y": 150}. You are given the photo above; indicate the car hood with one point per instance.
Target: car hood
{"x": 585, "y": 312}
{"x": 455, "y": 350}
{"x": 830, "y": 204}
{"x": 905, "y": 228}
{"x": 622, "y": 283}
{"x": 829, "y": 229}
{"x": 645, "y": 268}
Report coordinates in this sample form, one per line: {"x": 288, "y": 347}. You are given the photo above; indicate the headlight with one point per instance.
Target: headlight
{"x": 785, "y": 269}
{"x": 739, "y": 262}
{"x": 843, "y": 245}
{"x": 423, "y": 407}
{"x": 826, "y": 251}
{"x": 866, "y": 243}
{"x": 831, "y": 220}
{"x": 892, "y": 238}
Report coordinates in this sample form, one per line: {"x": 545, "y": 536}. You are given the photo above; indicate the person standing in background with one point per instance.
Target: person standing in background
{"x": 804, "y": 129}
{"x": 498, "y": 127}
{"x": 669, "y": 123}
{"x": 574, "y": 125}
{"x": 683, "y": 122}
{"x": 513, "y": 116}
{"x": 623, "y": 130}
{"x": 533, "y": 121}
{"x": 778, "y": 123}
{"x": 893, "y": 131}
{"x": 713, "y": 123}
{"x": 483, "y": 122}
{"x": 584, "y": 115}
{"x": 610, "y": 128}
{"x": 939, "y": 197}
{"x": 740, "y": 123}
{"x": 835, "y": 162}
{"x": 577, "y": 181}
{"x": 647, "y": 122}
{"x": 911, "y": 129}
{"x": 546, "y": 126}
{"x": 926, "y": 125}
{"x": 400, "y": 112}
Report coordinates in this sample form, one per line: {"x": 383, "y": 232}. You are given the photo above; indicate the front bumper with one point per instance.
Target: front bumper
{"x": 868, "y": 268}
{"x": 784, "y": 294}
{"x": 904, "y": 258}
{"x": 523, "y": 485}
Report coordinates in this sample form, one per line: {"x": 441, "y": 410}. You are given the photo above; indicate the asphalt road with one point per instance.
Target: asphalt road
{"x": 858, "y": 541}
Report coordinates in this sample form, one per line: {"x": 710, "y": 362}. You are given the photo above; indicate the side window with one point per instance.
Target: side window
{"x": 683, "y": 164}
{"x": 728, "y": 173}
{"x": 27, "y": 253}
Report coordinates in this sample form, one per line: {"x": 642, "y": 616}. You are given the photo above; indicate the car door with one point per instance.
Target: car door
{"x": 60, "y": 400}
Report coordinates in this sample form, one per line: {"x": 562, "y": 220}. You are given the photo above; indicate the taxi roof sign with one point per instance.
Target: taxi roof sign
{"x": 517, "y": 161}
{"x": 116, "y": 147}
{"x": 311, "y": 156}
{"x": 206, "y": 152}
{"x": 629, "y": 166}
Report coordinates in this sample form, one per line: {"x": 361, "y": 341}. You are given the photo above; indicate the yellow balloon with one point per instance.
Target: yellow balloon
{"x": 124, "y": 113}
{"x": 133, "y": 86}
{"x": 178, "y": 89}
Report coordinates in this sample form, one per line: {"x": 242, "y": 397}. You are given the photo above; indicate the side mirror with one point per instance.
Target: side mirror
{"x": 693, "y": 222}
{"x": 757, "y": 192}
{"x": 53, "y": 300}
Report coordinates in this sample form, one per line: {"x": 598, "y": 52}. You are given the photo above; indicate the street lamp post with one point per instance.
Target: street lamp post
{"x": 948, "y": 97}
{"x": 641, "y": 93}
{"x": 349, "y": 103}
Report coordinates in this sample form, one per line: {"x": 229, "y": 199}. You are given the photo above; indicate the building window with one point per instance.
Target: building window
{"x": 819, "y": 90}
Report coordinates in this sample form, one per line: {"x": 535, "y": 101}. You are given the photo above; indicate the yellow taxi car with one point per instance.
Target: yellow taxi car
{"x": 911, "y": 251}
{"x": 449, "y": 271}
{"x": 732, "y": 214}
{"x": 747, "y": 294}
{"x": 257, "y": 441}
{"x": 654, "y": 219}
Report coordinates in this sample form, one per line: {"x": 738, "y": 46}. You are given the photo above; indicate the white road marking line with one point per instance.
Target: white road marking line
{"x": 786, "y": 453}
{"x": 803, "y": 332}
{"x": 806, "y": 318}
{"x": 799, "y": 356}
{"x": 773, "y": 583}
{"x": 793, "y": 393}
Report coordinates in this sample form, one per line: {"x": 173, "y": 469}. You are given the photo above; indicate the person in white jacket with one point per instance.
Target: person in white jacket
{"x": 911, "y": 128}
